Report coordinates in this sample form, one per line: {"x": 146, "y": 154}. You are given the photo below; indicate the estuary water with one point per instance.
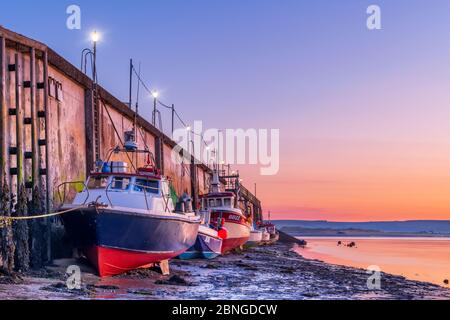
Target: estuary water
{"x": 423, "y": 259}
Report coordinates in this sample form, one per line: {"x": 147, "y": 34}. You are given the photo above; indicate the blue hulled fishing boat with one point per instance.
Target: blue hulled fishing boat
{"x": 124, "y": 221}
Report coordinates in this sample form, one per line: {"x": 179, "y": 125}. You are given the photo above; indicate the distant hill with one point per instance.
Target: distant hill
{"x": 395, "y": 228}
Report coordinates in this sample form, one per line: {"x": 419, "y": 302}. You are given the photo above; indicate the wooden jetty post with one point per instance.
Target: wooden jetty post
{"x": 4, "y": 152}
{"x": 48, "y": 187}
{"x": 35, "y": 177}
{"x": 19, "y": 170}
{"x": 20, "y": 228}
{"x": 4, "y": 156}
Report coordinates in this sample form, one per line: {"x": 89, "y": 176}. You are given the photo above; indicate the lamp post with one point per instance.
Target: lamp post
{"x": 188, "y": 129}
{"x": 173, "y": 118}
{"x": 95, "y": 37}
{"x": 155, "y": 95}
{"x": 92, "y": 53}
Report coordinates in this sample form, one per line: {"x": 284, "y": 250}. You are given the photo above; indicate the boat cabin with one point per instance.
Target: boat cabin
{"x": 218, "y": 200}
{"x": 144, "y": 190}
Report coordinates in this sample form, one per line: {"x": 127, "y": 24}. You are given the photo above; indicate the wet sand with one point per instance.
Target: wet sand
{"x": 267, "y": 272}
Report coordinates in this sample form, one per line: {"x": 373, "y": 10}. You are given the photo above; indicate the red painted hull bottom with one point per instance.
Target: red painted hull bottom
{"x": 110, "y": 262}
{"x": 233, "y": 243}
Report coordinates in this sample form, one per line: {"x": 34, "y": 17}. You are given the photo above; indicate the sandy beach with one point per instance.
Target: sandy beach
{"x": 267, "y": 272}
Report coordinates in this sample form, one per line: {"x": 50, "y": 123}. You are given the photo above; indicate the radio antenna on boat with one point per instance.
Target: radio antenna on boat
{"x": 131, "y": 136}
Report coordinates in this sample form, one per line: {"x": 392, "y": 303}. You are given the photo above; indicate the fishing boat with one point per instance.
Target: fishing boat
{"x": 223, "y": 207}
{"x": 270, "y": 233}
{"x": 208, "y": 245}
{"x": 265, "y": 235}
{"x": 124, "y": 221}
{"x": 255, "y": 238}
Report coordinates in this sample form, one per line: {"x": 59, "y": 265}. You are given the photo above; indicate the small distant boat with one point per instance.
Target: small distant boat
{"x": 130, "y": 221}
{"x": 223, "y": 206}
{"x": 256, "y": 237}
{"x": 270, "y": 234}
{"x": 265, "y": 235}
{"x": 207, "y": 246}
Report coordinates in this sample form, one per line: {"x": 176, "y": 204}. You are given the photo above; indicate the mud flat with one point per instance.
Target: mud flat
{"x": 268, "y": 272}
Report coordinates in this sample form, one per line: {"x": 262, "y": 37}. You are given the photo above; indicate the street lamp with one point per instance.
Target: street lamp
{"x": 188, "y": 131}
{"x": 92, "y": 53}
{"x": 155, "y": 95}
{"x": 95, "y": 37}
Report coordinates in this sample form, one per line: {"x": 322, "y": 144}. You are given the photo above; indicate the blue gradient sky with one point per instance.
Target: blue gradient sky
{"x": 364, "y": 115}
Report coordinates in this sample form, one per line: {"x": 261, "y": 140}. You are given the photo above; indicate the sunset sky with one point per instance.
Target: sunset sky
{"x": 364, "y": 116}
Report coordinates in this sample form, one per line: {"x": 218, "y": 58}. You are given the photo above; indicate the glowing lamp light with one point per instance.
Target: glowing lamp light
{"x": 188, "y": 128}
{"x": 155, "y": 94}
{"x": 95, "y": 36}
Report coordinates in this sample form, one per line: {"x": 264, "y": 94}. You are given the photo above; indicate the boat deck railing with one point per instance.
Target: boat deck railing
{"x": 62, "y": 197}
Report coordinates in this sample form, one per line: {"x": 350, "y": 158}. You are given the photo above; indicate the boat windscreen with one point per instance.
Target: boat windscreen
{"x": 120, "y": 183}
{"x": 227, "y": 202}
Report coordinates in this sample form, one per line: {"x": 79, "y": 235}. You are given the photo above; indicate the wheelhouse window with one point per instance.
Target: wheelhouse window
{"x": 149, "y": 186}
{"x": 97, "y": 182}
{"x": 120, "y": 183}
{"x": 219, "y": 202}
{"x": 212, "y": 203}
{"x": 227, "y": 202}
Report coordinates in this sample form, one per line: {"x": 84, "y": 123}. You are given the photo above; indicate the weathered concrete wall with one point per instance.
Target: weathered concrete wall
{"x": 67, "y": 140}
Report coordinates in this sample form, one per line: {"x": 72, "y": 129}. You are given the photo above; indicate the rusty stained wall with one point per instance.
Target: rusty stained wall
{"x": 178, "y": 171}
{"x": 67, "y": 145}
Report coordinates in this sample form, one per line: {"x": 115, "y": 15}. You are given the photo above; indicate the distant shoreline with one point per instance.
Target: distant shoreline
{"x": 386, "y": 229}
{"x": 358, "y": 234}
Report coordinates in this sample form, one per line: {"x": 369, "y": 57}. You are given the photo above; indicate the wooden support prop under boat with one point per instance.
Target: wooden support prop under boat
{"x": 164, "y": 266}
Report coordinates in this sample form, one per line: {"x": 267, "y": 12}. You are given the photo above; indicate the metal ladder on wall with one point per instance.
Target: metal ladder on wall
{"x": 96, "y": 112}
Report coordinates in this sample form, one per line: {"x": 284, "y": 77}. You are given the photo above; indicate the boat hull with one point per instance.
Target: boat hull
{"x": 237, "y": 226}
{"x": 255, "y": 238}
{"x": 116, "y": 242}
{"x": 205, "y": 247}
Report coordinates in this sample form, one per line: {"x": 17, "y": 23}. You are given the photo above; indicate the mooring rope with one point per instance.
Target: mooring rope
{"x": 6, "y": 221}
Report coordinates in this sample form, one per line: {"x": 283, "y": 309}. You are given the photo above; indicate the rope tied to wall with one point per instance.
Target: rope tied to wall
{"x": 6, "y": 221}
